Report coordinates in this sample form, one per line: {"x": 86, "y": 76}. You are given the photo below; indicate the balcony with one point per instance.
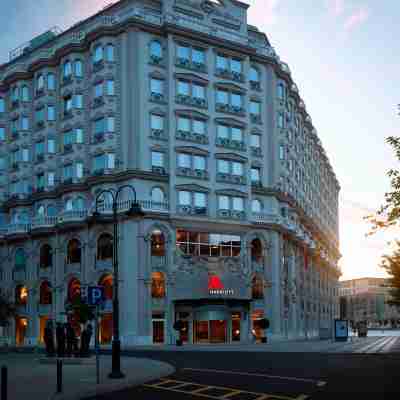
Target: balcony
{"x": 157, "y": 134}
{"x": 255, "y": 85}
{"x": 19, "y": 274}
{"x": 230, "y": 144}
{"x": 72, "y": 216}
{"x": 43, "y": 222}
{"x": 18, "y": 229}
{"x": 264, "y": 218}
{"x": 158, "y": 170}
{"x": 192, "y": 173}
{"x": 192, "y": 65}
{"x": 228, "y": 74}
{"x": 156, "y": 60}
{"x": 191, "y": 101}
{"x": 101, "y": 265}
{"x": 229, "y": 178}
{"x": 191, "y": 210}
{"x": 255, "y": 118}
{"x": 157, "y": 97}
{"x": 98, "y": 102}
{"x": 230, "y": 109}
{"x": 256, "y": 151}
{"x": 191, "y": 137}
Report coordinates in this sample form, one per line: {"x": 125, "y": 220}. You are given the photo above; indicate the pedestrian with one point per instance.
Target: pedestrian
{"x": 60, "y": 335}
{"x": 89, "y": 332}
{"x": 71, "y": 339}
{"x": 48, "y": 338}
{"x": 83, "y": 342}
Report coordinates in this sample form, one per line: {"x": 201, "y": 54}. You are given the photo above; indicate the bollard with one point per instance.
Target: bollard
{"x": 4, "y": 391}
{"x": 59, "y": 376}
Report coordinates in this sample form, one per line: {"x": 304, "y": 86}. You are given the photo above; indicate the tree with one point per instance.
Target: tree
{"x": 391, "y": 263}
{"x": 7, "y": 308}
{"x": 81, "y": 311}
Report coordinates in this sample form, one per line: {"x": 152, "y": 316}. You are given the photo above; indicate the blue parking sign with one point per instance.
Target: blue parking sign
{"x": 95, "y": 295}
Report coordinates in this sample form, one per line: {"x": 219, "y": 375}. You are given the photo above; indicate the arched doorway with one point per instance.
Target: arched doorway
{"x": 73, "y": 295}
{"x": 21, "y": 325}
{"x": 106, "y": 321}
{"x": 256, "y": 250}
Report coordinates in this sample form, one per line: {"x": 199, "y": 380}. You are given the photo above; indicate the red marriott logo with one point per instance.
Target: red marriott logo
{"x": 215, "y": 283}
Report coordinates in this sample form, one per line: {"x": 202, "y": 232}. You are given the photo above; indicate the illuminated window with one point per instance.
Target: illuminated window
{"x": 21, "y": 295}
{"x": 107, "y": 282}
{"x": 257, "y": 288}
{"x": 256, "y": 250}
{"x": 157, "y": 285}
{"x": 74, "y": 251}
{"x": 74, "y": 290}
{"x": 157, "y": 243}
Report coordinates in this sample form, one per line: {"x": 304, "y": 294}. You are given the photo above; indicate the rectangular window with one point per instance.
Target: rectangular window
{"x": 68, "y": 171}
{"x": 198, "y": 56}
{"x": 255, "y": 175}
{"x": 157, "y": 122}
{"x": 51, "y": 146}
{"x": 78, "y": 101}
{"x": 223, "y": 202}
{"x": 222, "y": 97}
{"x": 2, "y": 105}
{"x": 156, "y": 86}
{"x": 39, "y": 148}
{"x": 280, "y": 120}
{"x": 79, "y": 135}
{"x": 223, "y": 166}
{"x": 200, "y": 199}
{"x": 238, "y": 203}
{"x": 184, "y": 160}
{"x": 199, "y": 127}
{"x": 255, "y": 108}
{"x": 110, "y": 87}
{"x": 99, "y": 162}
{"x": 236, "y": 66}
{"x": 223, "y": 131}
{"x": 199, "y": 92}
{"x": 99, "y": 126}
{"x": 68, "y": 138}
{"x": 199, "y": 162}
{"x": 255, "y": 141}
{"x": 110, "y": 124}
{"x": 222, "y": 62}
{"x": 40, "y": 181}
{"x": 79, "y": 170}
{"x": 78, "y": 66}
{"x": 98, "y": 90}
{"x": 50, "y": 178}
{"x": 236, "y": 100}
{"x": 25, "y": 155}
{"x": 2, "y": 133}
{"x": 183, "y": 52}
{"x": 237, "y": 134}
{"x": 111, "y": 160}
{"x": 51, "y": 82}
{"x": 237, "y": 168}
{"x": 184, "y": 124}
{"x": 157, "y": 159}
{"x": 51, "y": 113}
{"x": 25, "y": 123}
{"x": 183, "y": 88}
{"x": 184, "y": 198}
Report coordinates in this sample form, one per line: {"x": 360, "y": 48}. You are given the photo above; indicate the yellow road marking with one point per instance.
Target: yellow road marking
{"x": 198, "y": 392}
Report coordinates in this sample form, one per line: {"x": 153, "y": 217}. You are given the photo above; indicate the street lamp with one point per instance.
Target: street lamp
{"x": 134, "y": 210}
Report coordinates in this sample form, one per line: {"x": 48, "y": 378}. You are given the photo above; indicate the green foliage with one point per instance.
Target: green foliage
{"x": 7, "y": 309}
{"x": 82, "y": 312}
{"x": 391, "y": 263}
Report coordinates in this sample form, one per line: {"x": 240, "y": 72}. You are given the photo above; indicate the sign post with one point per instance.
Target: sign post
{"x": 96, "y": 345}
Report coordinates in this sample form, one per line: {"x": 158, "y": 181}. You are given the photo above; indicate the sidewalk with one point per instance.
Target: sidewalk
{"x": 28, "y": 379}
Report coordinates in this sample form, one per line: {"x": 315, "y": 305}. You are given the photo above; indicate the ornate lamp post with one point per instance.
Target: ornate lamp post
{"x": 134, "y": 210}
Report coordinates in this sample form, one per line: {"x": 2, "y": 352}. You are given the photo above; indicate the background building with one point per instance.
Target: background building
{"x": 365, "y": 299}
{"x": 193, "y": 107}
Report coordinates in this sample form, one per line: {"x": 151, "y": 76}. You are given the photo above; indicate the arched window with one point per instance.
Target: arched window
{"x": 157, "y": 195}
{"x": 40, "y": 83}
{"x": 78, "y": 68}
{"x": 67, "y": 69}
{"x": 157, "y": 285}
{"x": 157, "y": 243}
{"x": 256, "y": 206}
{"x": 280, "y": 91}
{"x": 107, "y": 282}
{"x": 155, "y": 50}
{"x": 79, "y": 204}
{"x": 45, "y": 293}
{"x": 98, "y": 53}
{"x": 21, "y": 295}
{"x": 25, "y": 93}
{"x": 257, "y": 289}
{"x": 74, "y": 290}
{"x": 20, "y": 259}
{"x": 256, "y": 250}
{"x": 46, "y": 256}
{"x": 254, "y": 75}
{"x": 41, "y": 211}
{"x": 51, "y": 81}
{"x": 105, "y": 247}
{"x": 74, "y": 252}
{"x": 110, "y": 52}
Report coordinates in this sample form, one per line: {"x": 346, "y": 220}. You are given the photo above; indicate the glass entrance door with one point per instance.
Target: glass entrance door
{"x": 201, "y": 332}
{"x": 218, "y": 331}
{"x": 214, "y": 331}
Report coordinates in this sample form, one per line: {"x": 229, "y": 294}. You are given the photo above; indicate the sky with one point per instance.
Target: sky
{"x": 344, "y": 57}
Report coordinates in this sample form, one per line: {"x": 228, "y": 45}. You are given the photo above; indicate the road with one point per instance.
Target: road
{"x": 363, "y": 369}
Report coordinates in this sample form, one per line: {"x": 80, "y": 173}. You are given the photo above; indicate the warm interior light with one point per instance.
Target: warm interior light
{"x": 237, "y": 332}
{"x": 24, "y": 322}
{"x": 254, "y": 332}
{"x": 24, "y": 293}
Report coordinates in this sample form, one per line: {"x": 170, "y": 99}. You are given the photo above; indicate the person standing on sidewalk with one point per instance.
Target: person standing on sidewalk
{"x": 71, "y": 339}
{"x": 48, "y": 338}
{"x": 60, "y": 334}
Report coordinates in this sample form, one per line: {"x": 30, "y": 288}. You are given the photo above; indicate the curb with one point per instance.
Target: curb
{"x": 107, "y": 388}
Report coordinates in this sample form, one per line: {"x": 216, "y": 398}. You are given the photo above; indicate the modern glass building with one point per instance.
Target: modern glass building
{"x": 191, "y": 106}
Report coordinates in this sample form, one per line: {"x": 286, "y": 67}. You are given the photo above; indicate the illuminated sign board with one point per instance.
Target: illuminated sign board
{"x": 216, "y": 287}
{"x": 221, "y": 291}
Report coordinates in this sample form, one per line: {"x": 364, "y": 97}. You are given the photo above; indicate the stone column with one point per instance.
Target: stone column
{"x": 293, "y": 306}
{"x": 32, "y": 333}
{"x": 169, "y": 313}
{"x": 276, "y": 321}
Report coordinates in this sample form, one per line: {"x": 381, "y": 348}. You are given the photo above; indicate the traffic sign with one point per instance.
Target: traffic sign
{"x": 95, "y": 295}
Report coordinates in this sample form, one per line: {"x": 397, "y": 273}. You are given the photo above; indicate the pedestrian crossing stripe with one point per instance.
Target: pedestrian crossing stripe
{"x": 178, "y": 386}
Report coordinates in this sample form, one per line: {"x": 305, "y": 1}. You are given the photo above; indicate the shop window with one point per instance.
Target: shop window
{"x": 74, "y": 252}
{"x": 257, "y": 289}
{"x": 74, "y": 290}
{"x": 45, "y": 293}
{"x": 157, "y": 285}
{"x": 107, "y": 282}
{"x": 105, "y": 247}
{"x": 256, "y": 250}
{"x": 21, "y": 295}
{"x": 157, "y": 243}
{"x": 46, "y": 256}
{"x": 20, "y": 259}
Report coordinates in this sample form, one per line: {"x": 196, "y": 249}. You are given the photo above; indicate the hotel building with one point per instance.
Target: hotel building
{"x": 189, "y": 104}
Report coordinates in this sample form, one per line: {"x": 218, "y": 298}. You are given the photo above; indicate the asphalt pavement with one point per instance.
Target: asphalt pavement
{"x": 271, "y": 375}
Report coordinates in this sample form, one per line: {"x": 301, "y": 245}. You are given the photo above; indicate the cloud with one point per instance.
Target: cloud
{"x": 264, "y": 11}
{"x": 356, "y": 19}
{"x": 336, "y": 7}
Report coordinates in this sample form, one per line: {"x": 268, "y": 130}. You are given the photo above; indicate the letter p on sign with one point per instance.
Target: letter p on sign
{"x": 95, "y": 295}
